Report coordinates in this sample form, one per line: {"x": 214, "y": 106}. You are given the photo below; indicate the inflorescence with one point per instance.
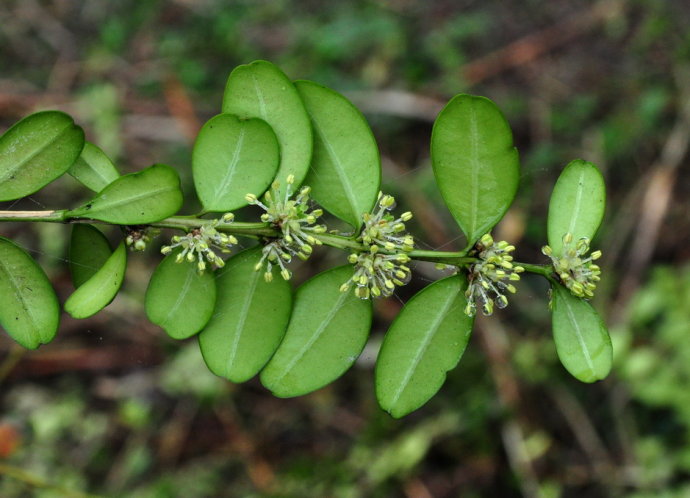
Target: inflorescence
{"x": 199, "y": 245}
{"x": 490, "y": 277}
{"x": 377, "y": 273}
{"x": 139, "y": 236}
{"x": 296, "y": 223}
{"x": 577, "y": 272}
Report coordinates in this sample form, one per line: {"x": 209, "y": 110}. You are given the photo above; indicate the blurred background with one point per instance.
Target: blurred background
{"x": 113, "y": 407}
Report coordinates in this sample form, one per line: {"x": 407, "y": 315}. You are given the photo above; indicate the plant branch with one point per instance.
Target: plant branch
{"x": 51, "y": 216}
{"x": 265, "y": 230}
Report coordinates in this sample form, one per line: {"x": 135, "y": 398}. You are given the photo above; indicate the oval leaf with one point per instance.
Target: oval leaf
{"x": 232, "y": 158}
{"x": 250, "y": 319}
{"x": 426, "y": 340}
{"x": 29, "y": 308}
{"x": 577, "y": 204}
{"x": 88, "y": 252}
{"x": 97, "y": 292}
{"x": 345, "y": 174}
{"x": 179, "y": 298}
{"x": 327, "y": 331}
{"x": 144, "y": 197}
{"x": 94, "y": 169}
{"x": 475, "y": 164}
{"x": 582, "y": 341}
{"x": 36, "y": 151}
{"x": 261, "y": 90}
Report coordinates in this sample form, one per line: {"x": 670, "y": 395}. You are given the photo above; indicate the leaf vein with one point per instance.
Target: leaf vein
{"x": 315, "y": 336}
{"x": 244, "y": 312}
{"x": 423, "y": 347}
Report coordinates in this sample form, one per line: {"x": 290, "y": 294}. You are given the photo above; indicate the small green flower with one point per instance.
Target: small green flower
{"x": 138, "y": 237}
{"x": 378, "y": 273}
{"x": 490, "y": 277}
{"x": 199, "y": 244}
{"x": 296, "y": 223}
{"x": 576, "y": 271}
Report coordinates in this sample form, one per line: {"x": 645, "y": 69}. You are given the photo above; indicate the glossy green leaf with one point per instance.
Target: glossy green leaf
{"x": 97, "y": 292}
{"x": 29, "y": 308}
{"x": 249, "y": 321}
{"x": 232, "y": 158}
{"x": 261, "y": 90}
{"x": 476, "y": 166}
{"x": 36, "y": 151}
{"x": 93, "y": 168}
{"x": 582, "y": 341}
{"x": 327, "y": 331}
{"x": 577, "y": 204}
{"x": 144, "y": 197}
{"x": 426, "y": 340}
{"x": 88, "y": 252}
{"x": 179, "y": 299}
{"x": 345, "y": 174}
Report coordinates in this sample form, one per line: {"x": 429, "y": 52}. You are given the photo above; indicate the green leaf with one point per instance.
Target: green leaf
{"x": 476, "y": 166}
{"x": 179, "y": 298}
{"x": 232, "y": 158}
{"x": 426, "y": 340}
{"x": 88, "y": 252}
{"x": 29, "y": 308}
{"x": 93, "y": 168}
{"x": 345, "y": 173}
{"x": 36, "y": 151}
{"x": 138, "y": 198}
{"x": 582, "y": 341}
{"x": 250, "y": 319}
{"x": 327, "y": 331}
{"x": 261, "y": 90}
{"x": 97, "y": 292}
{"x": 577, "y": 204}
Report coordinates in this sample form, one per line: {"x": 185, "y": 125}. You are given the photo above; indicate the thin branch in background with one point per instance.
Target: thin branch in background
{"x": 36, "y": 482}
{"x": 495, "y": 343}
{"x": 181, "y": 108}
{"x": 14, "y": 356}
{"x": 534, "y": 45}
{"x": 656, "y": 199}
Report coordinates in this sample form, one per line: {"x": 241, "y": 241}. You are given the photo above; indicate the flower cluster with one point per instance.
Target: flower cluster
{"x": 199, "y": 244}
{"x": 296, "y": 223}
{"x": 377, "y": 273}
{"x": 576, "y": 271}
{"x": 138, "y": 237}
{"x": 490, "y": 277}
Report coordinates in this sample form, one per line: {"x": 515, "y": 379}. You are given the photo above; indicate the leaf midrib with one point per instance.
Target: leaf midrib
{"x": 435, "y": 325}
{"x": 340, "y": 170}
{"x": 104, "y": 206}
{"x": 34, "y": 331}
{"x": 578, "y": 334}
{"x": 231, "y": 169}
{"x": 12, "y": 169}
{"x": 474, "y": 161}
{"x": 181, "y": 296}
{"x": 576, "y": 207}
{"x": 244, "y": 312}
{"x": 315, "y": 336}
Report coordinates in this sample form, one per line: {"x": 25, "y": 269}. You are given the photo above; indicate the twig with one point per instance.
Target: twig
{"x": 15, "y": 355}
{"x": 657, "y": 197}
{"x": 532, "y": 46}
{"x": 494, "y": 341}
{"x": 37, "y": 482}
